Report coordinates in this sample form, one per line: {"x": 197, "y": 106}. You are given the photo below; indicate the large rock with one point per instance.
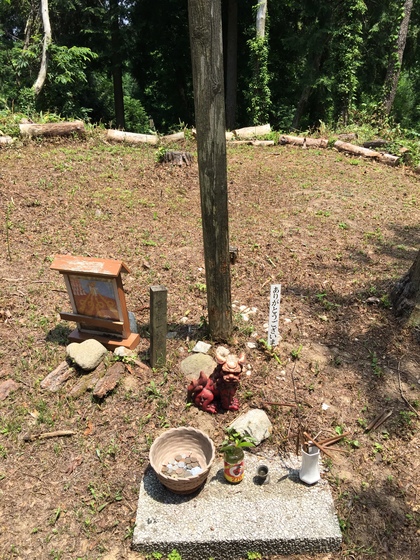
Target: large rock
{"x": 195, "y": 363}
{"x": 254, "y": 423}
{"x": 88, "y": 354}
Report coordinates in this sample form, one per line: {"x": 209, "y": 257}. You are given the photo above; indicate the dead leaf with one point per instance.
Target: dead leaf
{"x": 89, "y": 429}
{"x": 73, "y": 464}
{"x": 7, "y": 387}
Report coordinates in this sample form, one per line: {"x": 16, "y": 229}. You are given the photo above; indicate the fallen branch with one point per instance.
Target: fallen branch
{"x": 320, "y": 447}
{"x": 379, "y": 420}
{"x": 282, "y": 404}
{"x": 333, "y": 439}
{"x": 47, "y": 435}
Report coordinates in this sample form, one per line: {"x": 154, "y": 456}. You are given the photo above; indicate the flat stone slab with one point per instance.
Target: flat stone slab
{"x": 227, "y": 521}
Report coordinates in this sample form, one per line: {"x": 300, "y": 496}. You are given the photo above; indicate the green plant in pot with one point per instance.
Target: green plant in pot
{"x": 233, "y": 454}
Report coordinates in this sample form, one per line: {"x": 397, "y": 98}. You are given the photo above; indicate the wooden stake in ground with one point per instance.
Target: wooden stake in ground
{"x": 158, "y": 325}
{"x": 205, "y": 22}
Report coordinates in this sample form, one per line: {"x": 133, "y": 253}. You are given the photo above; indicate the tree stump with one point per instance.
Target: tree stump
{"x": 177, "y": 158}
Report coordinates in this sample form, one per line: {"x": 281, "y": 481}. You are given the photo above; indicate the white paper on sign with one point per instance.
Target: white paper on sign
{"x": 273, "y": 319}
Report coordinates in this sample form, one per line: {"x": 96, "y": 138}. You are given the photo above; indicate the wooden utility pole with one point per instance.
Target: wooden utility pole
{"x": 205, "y": 23}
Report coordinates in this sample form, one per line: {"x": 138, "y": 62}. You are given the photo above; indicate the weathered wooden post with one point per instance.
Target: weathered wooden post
{"x": 205, "y": 22}
{"x": 158, "y": 325}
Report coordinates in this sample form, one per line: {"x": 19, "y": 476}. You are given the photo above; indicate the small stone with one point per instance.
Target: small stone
{"x": 88, "y": 354}
{"x": 201, "y": 347}
{"x": 122, "y": 351}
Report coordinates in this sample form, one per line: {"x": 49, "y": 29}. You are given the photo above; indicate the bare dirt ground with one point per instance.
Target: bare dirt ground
{"x": 335, "y": 231}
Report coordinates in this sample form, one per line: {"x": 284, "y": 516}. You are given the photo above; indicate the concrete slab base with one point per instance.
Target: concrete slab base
{"x": 223, "y": 521}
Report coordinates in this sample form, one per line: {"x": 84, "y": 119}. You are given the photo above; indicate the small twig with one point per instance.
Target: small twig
{"x": 338, "y": 449}
{"x": 402, "y": 395}
{"x": 282, "y": 404}
{"x": 320, "y": 447}
{"x": 47, "y": 435}
{"x": 379, "y": 420}
{"x": 333, "y": 439}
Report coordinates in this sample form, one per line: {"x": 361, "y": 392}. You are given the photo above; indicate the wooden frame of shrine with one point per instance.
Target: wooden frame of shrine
{"x": 98, "y": 301}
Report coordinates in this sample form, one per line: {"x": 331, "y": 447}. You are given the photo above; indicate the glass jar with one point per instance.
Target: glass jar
{"x": 234, "y": 464}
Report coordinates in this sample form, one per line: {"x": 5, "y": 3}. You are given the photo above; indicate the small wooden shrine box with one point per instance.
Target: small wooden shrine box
{"x": 97, "y": 297}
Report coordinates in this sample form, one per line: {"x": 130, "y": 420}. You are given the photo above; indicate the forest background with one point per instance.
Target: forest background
{"x": 298, "y": 65}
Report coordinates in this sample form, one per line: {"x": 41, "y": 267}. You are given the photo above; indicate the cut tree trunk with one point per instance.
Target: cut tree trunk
{"x": 252, "y": 142}
{"x": 389, "y": 159}
{"x": 52, "y": 129}
{"x": 304, "y": 142}
{"x": 252, "y": 131}
{"x": 132, "y": 137}
{"x": 6, "y": 140}
{"x": 375, "y": 144}
{"x": 405, "y": 295}
{"x": 173, "y": 137}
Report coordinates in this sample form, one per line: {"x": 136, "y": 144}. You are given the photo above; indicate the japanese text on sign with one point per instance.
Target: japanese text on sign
{"x": 273, "y": 319}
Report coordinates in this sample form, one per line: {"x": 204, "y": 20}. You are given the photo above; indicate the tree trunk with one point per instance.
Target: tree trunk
{"x": 207, "y": 69}
{"x": 30, "y": 24}
{"x": 405, "y": 295}
{"x": 303, "y": 141}
{"x": 116, "y": 63}
{"x": 389, "y": 159}
{"x": 52, "y": 129}
{"x": 231, "y": 63}
{"x": 39, "y": 83}
{"x": 261, "y": 17}
{"x": 132, "y": 137}
{"x": 307, "y": 90}
{"x": 252, "y": 131}
{"x": 395, "y": 61}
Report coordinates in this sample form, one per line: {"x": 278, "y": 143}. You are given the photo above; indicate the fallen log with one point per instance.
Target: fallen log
{"x": 173, "y": 137}
{"x": 304, "y": 141}
{"x": 252, "y": 142}
{"x": 375, "y": 143}
{"x": 6, "y": 140}
{"x": 31, "y": 130}
{"x": 132, "y": 137}
{"x": 389, "y": 159}
{"x": 356, "y": 150}
{"x": 229, "y": 135}
{"x": 252, "y": 131}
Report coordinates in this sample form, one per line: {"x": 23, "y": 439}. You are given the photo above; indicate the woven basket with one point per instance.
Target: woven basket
{"x": 178, "y": 441}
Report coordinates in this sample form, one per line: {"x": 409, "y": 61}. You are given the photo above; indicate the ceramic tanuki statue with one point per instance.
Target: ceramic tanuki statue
{"x": 218, "y": 390}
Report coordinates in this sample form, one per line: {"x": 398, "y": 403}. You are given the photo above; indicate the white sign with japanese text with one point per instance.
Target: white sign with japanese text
{"x": 273, "y": 319}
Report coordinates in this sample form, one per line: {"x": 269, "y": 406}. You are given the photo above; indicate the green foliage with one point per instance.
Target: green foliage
{"x": 259, "y": 94}
{"x": 235, "y": 439}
